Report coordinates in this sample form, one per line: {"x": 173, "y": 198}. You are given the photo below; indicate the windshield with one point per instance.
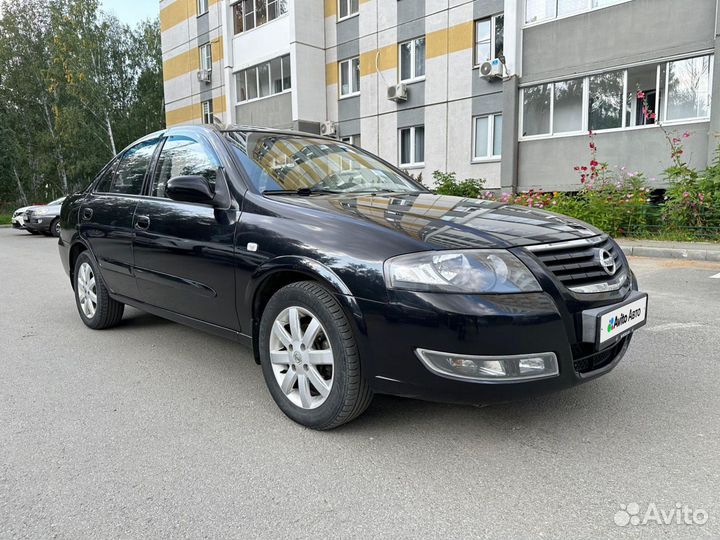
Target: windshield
{"x": 282, "y": 163}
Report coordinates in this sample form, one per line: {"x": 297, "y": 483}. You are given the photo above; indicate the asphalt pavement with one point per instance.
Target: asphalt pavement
{"x": 155, "y": 430}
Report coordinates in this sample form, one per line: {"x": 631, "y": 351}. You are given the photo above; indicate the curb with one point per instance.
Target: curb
{"x": 671, "y": 253}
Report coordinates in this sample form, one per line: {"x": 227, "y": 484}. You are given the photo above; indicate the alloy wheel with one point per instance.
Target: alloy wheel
{"x": 87, "y": 290}
{"x": 301, "y": 357}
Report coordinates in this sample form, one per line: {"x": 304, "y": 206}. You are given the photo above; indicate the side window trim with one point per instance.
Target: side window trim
{"x": 110, "y": 167}
{"x": 152, "y": 168}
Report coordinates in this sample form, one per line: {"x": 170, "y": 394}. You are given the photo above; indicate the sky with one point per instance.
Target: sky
{"x": 132, "y": 11}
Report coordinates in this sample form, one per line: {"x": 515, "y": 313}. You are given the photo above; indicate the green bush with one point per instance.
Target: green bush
{"x": 448, "y": 184}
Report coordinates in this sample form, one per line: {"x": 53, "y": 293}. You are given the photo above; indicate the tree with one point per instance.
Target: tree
{"x": 76, "y": 86}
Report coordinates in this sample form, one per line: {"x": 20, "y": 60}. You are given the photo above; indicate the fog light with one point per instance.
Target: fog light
{"x": 490, "y": 368}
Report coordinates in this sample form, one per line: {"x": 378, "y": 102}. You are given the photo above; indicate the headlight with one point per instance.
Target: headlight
{"x": 40, "y": 211}
{"x": 467, "y": 271}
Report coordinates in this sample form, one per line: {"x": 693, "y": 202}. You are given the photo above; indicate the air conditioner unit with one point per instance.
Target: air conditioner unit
{"x": 492, "y": 69}
{"x": 328, "y": 129}
{"x": 204, "y": 75}
{"x": 398, "y": 92}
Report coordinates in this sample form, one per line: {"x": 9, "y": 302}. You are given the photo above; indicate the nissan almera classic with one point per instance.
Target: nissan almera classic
{"x": 346, "y": 277}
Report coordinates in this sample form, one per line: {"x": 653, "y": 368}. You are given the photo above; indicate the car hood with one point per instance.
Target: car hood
{"x": 447, "y": 222}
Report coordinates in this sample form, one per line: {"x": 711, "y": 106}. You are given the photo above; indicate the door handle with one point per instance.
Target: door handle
{"x": 87, "y": 213}
{"x": 142, "y": 222}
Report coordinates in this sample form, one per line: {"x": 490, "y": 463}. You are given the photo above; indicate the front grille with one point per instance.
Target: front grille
{"x": 577, "y": 263}
{"x": 586, "y": 360}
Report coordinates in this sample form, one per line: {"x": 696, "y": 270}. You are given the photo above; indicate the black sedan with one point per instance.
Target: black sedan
{"x": 345, "y": 276}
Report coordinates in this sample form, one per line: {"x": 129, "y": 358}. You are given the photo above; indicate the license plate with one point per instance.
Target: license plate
{"x": 620, "y": 320}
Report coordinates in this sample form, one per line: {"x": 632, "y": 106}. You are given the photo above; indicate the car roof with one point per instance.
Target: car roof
{"x": 219, "y": 129}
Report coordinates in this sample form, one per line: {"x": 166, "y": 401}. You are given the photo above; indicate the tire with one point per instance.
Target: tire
{"x": 107, "y": 312}
{"x": 347, "y": 392}
{"x": 55, "y": 228}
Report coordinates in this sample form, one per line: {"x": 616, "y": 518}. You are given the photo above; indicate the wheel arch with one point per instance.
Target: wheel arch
{"x": 278, "y": 273}
{"x": 76, "y": 248}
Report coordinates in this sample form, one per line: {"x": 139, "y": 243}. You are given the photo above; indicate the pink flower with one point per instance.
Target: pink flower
{"x": 686, "y": 135}
{"x": 641, "y": 94}
{"x": 686, "y": 194}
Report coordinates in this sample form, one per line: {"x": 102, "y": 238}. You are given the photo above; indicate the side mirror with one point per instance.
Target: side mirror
{"x": 195, "y": 189}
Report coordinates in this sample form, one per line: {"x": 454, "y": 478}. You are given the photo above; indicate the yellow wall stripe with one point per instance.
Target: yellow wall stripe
{"x": 330, "y": 8}
{"x": 438, "y": 43}
{"x": 184, "y": 115}
{"x": 179, "y": 11}
{"x": 331, "y": 74}
{"x": 181, "y": 64}
{"x": 189, "y": 61}
{"x": 461, "y": 37}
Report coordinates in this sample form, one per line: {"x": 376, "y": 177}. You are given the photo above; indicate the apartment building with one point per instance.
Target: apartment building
{"x": 505, "y": 90}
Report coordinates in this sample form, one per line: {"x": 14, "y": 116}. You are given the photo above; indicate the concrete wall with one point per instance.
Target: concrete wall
{"x": 273, "y": 111}
{"x": 549, "y": 163}
{"x": 635, "y": 31}
{"x": 638, "y": 31}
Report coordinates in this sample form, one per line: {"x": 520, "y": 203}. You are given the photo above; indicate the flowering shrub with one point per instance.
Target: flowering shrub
{"x": 618, "y": 201}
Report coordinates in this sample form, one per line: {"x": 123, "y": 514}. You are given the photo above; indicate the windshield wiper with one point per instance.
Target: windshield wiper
{"x": 302, "y": 191}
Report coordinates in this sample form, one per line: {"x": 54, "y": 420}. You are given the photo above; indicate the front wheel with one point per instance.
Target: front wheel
{"x": 309, "y": 357}
{"x": 97, "y": 310}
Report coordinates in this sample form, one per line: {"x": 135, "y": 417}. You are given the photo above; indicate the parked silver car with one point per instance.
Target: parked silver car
{"x": 43, "y": 219}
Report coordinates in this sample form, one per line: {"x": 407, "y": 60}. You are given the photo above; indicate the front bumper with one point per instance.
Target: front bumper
{"x": 475, "y": 325}
{"x": 39, "y": 223}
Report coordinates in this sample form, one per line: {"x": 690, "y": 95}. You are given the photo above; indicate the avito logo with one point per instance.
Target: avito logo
{"x": 619, "y": 320}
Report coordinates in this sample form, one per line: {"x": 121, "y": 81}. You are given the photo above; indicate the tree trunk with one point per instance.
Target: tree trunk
{"x": 23, "y": 196}
{"x": 110, "y": 134}
{"x": 58, "y": 153}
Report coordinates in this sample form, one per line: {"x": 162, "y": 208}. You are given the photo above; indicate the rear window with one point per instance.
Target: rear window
{"x": 129, "y": 174}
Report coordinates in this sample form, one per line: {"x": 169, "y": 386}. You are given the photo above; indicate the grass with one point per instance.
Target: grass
{"x": 5, "y": 219}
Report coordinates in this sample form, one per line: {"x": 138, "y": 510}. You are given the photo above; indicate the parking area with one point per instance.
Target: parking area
{"x": 153, "y": 429}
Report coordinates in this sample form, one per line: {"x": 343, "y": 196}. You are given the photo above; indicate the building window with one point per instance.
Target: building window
{"x": 489, "y": 38}
{"x": 202, "y": 7}
{"x": 248, "y": 14}
{"x": 206, "y": 57}
{"x": 689, "y": 87}
{"x": 348, "y": 8}
{"x": 412, "y": 59}
{"x": 487, "y": 137}
{"x": 207, "y": 111}
{"x": 266, "y": 79}
{"x": 606, "y": 100}
{"x": 543, "y": 10}
{"x": 568, "y": 106}
{"x": 412, "y": 146}
{"x": 350, "y": 77}
{"x": 670, "y": 92}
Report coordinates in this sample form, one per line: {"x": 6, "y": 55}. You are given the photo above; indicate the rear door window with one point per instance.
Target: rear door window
{"x": 183, "y": 156}
{"x": 130, "y": 173}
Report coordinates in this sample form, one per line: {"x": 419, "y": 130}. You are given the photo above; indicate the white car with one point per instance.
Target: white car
{"x": 18, "y": 218}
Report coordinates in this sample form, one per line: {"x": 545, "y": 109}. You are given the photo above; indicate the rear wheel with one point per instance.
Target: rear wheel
{"x": 309, "y": 357}
{"x": 97, "y": 310}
